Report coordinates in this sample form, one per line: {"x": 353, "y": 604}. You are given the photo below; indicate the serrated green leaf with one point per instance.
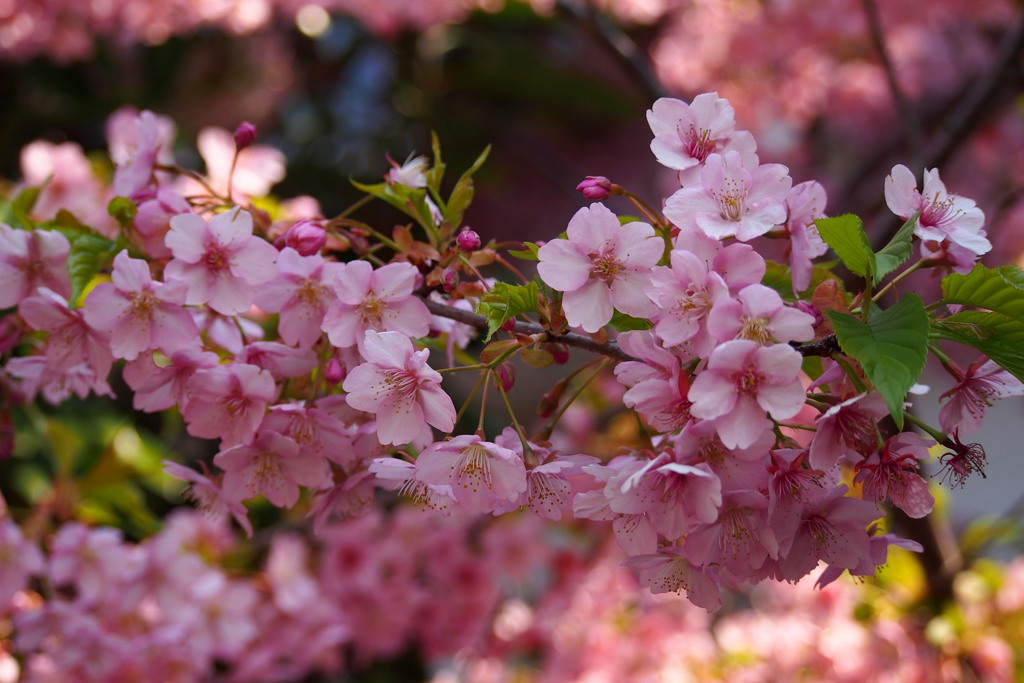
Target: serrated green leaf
{"x": 624, "y": 323}
{"x": 997, "y": 331}
{"x": 506, "y": 301}
{"x": 891, "y": 347}
{"x": 528, "y": 254}
{"x": 412, "y": 202}
{"x": 897, "y": 251}
{"x": 845, "y": 234}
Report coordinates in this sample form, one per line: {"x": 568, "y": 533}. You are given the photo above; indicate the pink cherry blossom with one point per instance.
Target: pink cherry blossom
{"x": 759, "y": 314}
{"x": 39, "y": 376}
{"x": 208, "y": 495}
{"x": 228, "y": 402}
{"x": 848, "y": 429}
{"x": 685, "y": 294}
{"x": 30, "y": 259}
{"x": 301, "y": 292}
{"x": 657, "y": 383}
{"x": 737, "y": 264}
{"x": 283, "y": 361}
{"x": 404, "y": 478}
{"x": 742, "y": 381}
{"x": 668, "y": 570}
{"x": 603, "y": 266}
{"x": 892, "y": 474}
{"x": 380, "y": 300}
{"x": 315, "y": 428}
{"x": 482, "y": 474}
{"x": 153, "y": 220}
{"x": 398, "y": 386}
{"x": 137, "y": 150}
{"x": 257, "y": 169}
{"x": 739, "y": 540}
{"x": 686, "y": 134}
{"x": 140, "y": 313}
{"x": 273, "y": 465}
{"x": 19, "y": 559}
{"x": 161, "y": 387}
{"x": 221, "y": 260}
{"x": 942, "y": 215}
{"x": 804, "y": 203}
{"x": 73, "y": 341}
{"x": 731, "y": 200}
{"x": 971, "y": 397}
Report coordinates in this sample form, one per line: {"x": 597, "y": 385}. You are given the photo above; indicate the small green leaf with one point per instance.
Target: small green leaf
{"x": 891, "y": 347}
{"x": 537, "y": 358}
{"x": 528, "y": 254}
{"x": 897, "y": 251}
{"x": 411, "y": 202}
{"x": 624, "y": 323}
{"x": 436, "y": 173}
{"x": 845, "y": 234}
{"x": 506, "y": 301}
{"x": 14, "y": 212}
{"x": 89, "y": 253}
{"x": 462, "y": 194}
{"x": 123, "y": 210}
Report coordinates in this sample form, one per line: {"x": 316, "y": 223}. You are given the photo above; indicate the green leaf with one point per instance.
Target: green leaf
{"x": 506, "y": 301}
{"x": 528, "y": 254}
{"x": 891, "y": 347}
{"x": 14, "y": 212}
{"x": 462, "y": 194}
{"x": 436, "y": 173}
{"x": 845, "y": 234}
{"x": 623, "y": 322}
{"x": 89, "y": 252}
{"x": 123, "y": 210}
{"x": 897, "y": 251}
{"x": 411, "y": 202}
{"x": 997, "y": 331}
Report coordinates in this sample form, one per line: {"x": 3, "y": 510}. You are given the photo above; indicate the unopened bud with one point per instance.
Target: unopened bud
{"x": 509, "y": 325}
{"x": 334, "y": 372}
{"x": 468, "y": 240}
{"x": 245, "y": 135}
{"x": 506, "y": 374}
{"x": 306, "y": 237}
{"x": 812, "y": 310}
{"x": 560, "y": 352}
{"x": 595, "y": 187}
{"x": 449, "y": 279}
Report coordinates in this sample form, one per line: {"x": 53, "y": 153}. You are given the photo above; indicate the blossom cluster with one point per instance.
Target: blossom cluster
{"x": 302, "y": 347}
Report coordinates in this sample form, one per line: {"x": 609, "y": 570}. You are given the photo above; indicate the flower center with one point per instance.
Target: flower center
{"x": 940, "y": 212}
{"x": 373, "y": 310}
{"x": 756, "y": 329}
{"x": 698, "y": 143}
{"x": 605, "y": 267}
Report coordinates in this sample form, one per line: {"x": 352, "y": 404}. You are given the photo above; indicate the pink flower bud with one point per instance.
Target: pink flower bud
{"x": 509, "y": 325}
{"x": 334, "y": 372}
{"x": 559, "y": 351}
{"x": 595, "y": 187}
{"x": 449, "y": 279}
{"x": 245, "y": 135}
{"x": 306, "y": 237}
{"x": 468, "y": 240}
{"x": 506, "y": 373}
{"x": 811, "y": 309}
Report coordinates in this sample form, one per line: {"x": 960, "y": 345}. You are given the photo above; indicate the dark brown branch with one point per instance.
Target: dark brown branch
{"x": 825, "y": 347}
{"x": 907, "y": 116}
{"x": 610, "y": 349}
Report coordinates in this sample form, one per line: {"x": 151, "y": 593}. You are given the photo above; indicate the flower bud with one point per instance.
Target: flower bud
{"x": 468, "y": 240}
{"x": 306, "y": 237}
{"x": 245, "y": 135}
{"x": 449, "y": 279}
{"x": 509, "y": 325}
{"x": 595, "y": 187}
{"x": 559, "y": 351}
{"x": 334, "y": 372}
{"x": 813, "y": 310}
{"x": 506, "y": 374}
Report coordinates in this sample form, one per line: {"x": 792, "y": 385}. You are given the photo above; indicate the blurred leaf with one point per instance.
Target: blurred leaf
{"x": 528, "y": 254}
{"x": 892, "y": 347}
{"x": 123, "y": 210}
{"x": 779, "y": 277}
{"x": 462, "y": 194}
{"x": 538, "y": 358}
{"x": 623, "y": 322}
{"x": 14, "y": 212}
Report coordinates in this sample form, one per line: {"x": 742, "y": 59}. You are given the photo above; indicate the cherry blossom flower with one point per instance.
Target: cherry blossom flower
{"x": 136, "y": 146}
{"x": 19, "y": 559}
{"x": 257, "y": 169}
{"x": 943, "y": 216}
{"x": 657, "y": 383}
{"x": 962, "y": 461}
{"x": 221, "y": 260}
{"x": 686, "y": 134}
{"x": 380, "y": 300}
{"x": 161, "y": 387}
{"x": 153, "y": 220}
{"x": 208, "y": 495}
{"x": 482, "y": 474}
{"x": 273, "y": 465}
{"x": 804, "y": 203}
{"x": 603, "y": 266}
{"x": 685, "y": 294}
{"x": 281, "y": 360}
{"x": 892, "y": 475}
{"x": 732, "y": 201}
{"x": 398, "y": 386}
{"x": 739, "y": 540}
{"x": 228, "y": 402}
{"x": 73, "y": 341}
{"x": 140, "y": 313}
{"x": 971, "y": 397}
{"x": 668, "y": 570}
{"x": 848, "y": 429}
{"x": 30, "y": 259}
{"x": 301, "y": 292}
{"x": 404, "y": 478}
{"x": 759, "y": 314}
{"x": 741, "y": 382}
